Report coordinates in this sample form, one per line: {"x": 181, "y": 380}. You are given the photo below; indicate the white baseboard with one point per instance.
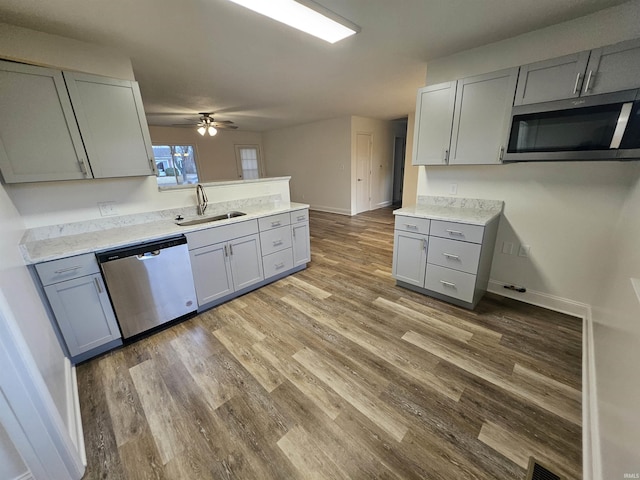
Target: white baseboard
{"x": 591, "y": 457}
{"x": 321, "y": 208}
{"x": 73, "y": 410}
{"x": 25, "y": 476}
{"x": 386, "y": 203}
{"x": 541, "y": 299}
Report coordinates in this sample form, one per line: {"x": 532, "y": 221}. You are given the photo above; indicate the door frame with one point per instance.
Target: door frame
{"x": 369, "y": 175}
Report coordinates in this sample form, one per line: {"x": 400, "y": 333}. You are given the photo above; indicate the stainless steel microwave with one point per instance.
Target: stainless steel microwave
{"x": 598, "y": 127}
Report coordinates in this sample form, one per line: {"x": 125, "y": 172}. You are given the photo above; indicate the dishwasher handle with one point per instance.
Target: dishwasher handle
{"x": 148, "y": 255}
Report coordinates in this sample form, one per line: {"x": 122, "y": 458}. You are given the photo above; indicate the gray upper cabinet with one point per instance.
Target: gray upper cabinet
{"x": 66, "y": 126}
{"x": 112, "y": 123}
{"x": 434, "y": 116}
{"x": 613, "y": 68}
{"x": 481, "y": 118}
{"x": 555, "y": 79}
{"x": 39, "y": 137}
{"x": 604, "y": 70}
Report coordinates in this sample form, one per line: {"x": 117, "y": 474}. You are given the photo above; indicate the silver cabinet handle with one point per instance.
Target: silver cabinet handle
{"x": 448, "y": 284}
{"x": 277, "y": 242}
{"x": 226, "y": 253}
{"x": 501, "y": 154}
{"x": 411, "y": 225}
{"x": 98, "y": 286}
{"x": 278, "y": 266}
{"x": 230, "y": 249}
{"x": 83, "y": 167}
{"x": 454, "y": 232}
{"x": 575, "y": 87}
{"x": 275, "y": 224}
{"x": 301, "y": 218}
{"x": 152, "y": 164}
{"x": 446, "y": 155}
{"x": 587, "y": 84}
{"x": 424, "y": 244}
{"x": 451, "y": 255}
{"x": 68, "y": 269}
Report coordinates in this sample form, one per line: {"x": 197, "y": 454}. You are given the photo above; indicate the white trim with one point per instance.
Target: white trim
{"x": 25, "y": 476}
{"x": 322, "y": 208}
{"x": 73, "y": 410}
{"x": 591, "y": 453}
{"x": 541, "y": 299}
{"x": 386, "y": 203}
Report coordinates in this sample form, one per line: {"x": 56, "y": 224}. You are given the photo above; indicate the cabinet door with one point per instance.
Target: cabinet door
{"x": 613, "y": 68}
{"x": 113, "y": 126}
{"x": 434, "y": 115}
{"x": 410, "y": 257}
{"x": 481, "y": 118}
{"x": 554, "y": 79}
{"x": 246, "y": 261}
{"x": 301, "y": 244}
{"x": 211, "y": 272}
{"x": 39, "y": 137}
{"x": 83, "y": 312}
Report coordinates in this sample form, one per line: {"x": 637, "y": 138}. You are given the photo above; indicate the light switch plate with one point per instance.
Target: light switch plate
{"x": 507, "y": 248}
{"x": 453, "y": 189}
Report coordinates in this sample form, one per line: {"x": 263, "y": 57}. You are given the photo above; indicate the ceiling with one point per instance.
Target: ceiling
{"x": 194, "y": 56}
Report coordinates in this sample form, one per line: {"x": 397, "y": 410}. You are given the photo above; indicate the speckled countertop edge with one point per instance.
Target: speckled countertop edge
{"x": 96, "y": 241}
{"x": 454, "y": 209}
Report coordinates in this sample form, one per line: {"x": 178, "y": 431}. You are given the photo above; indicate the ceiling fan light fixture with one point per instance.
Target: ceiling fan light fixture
{"x": 306, "y": 16}
{"x": 202, "y": 130}
{"x": 212, "y": 130}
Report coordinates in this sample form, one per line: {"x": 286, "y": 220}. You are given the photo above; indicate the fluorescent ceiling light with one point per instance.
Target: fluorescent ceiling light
{"x": 304, "y": 18}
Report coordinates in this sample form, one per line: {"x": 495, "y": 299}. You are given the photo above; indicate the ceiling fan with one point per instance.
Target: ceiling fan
{"x": 207, "y": 124}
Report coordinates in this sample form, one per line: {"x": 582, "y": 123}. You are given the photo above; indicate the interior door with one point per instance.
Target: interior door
{"x": 363, "y": 172}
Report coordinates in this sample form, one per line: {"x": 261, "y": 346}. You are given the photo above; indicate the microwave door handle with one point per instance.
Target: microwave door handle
{"x": 621, "y": 126}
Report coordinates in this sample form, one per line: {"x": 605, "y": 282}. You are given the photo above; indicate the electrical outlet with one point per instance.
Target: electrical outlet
{"x": 507, "y": 248}
{"x": 524, "y": 250}
{"x": 108, "y": 209}
{"x": 453, "y": 189}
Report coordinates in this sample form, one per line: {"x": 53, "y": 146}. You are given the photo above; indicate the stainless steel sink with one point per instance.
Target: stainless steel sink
{"x": 212, "y": 218}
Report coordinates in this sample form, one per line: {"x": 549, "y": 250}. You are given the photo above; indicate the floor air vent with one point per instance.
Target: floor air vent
{"x": 539, "y": 472}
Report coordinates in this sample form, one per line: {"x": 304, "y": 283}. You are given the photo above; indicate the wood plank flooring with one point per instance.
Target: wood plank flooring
{"x": 336, "y": 373}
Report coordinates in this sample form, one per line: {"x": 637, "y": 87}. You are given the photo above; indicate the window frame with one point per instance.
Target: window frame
{"x": 194, "y": 148}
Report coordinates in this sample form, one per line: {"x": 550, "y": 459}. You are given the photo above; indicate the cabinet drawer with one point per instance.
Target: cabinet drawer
{"x": 463, "y": 256}
{"x": 67, "y": 268}
{"x": 274, "y": 221}
{"x": 412, "y": 224}
{"x": 457, "y": 231}
{"x": 299, "y": 216}
{"x": 275, "y": 240}
{"x": 223, "y": 233}
{"x": 450, "y": 282}
{"x": 278, "y": 262}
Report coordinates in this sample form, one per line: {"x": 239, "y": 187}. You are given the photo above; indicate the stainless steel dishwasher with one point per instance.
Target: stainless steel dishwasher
{"x": 149, "y": 284}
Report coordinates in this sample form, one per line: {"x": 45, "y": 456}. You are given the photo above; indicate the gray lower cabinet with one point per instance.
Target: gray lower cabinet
{"x": 225, "y": 260}
{"x": 447, "y": 260}
{"x": 300, "y": 237}
{"x": 65, "y": 126}
{"x": 80, "y": 303}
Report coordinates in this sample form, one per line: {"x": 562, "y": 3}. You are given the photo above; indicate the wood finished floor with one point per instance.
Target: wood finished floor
{"x": 335, "y": 372}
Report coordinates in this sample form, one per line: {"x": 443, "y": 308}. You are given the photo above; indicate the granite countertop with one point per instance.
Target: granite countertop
{"x": 472, "y": 211}
{"x": 60, "y": 241}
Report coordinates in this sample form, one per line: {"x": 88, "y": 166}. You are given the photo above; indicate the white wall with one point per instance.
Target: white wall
{"x": 382, "y": 133}
{"x": 616, "y": 315}
{"x": 11, "y": 464}
{"x": 318, "y": 158}
{"x": 410, "y": 182}
{"x": 572, "y": 215}
{"x": 215, "y": 156}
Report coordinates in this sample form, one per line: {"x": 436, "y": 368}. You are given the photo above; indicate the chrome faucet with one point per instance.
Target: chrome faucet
{"x": 202, "y": 199}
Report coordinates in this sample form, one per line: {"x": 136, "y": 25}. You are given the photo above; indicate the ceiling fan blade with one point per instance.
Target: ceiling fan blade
{"x": 226, "y": 127}
{"x": 227, "y": 122}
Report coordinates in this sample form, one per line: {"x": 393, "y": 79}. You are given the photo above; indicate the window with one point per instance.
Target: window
{"x": 248, "y": 161}
{"x": 176, "y": 165}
